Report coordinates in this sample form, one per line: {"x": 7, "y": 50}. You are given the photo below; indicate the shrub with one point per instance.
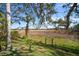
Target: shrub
{"x": 30, "y": 42}
{"x": 76, "y": 28}
{"x": 15, "y": 35}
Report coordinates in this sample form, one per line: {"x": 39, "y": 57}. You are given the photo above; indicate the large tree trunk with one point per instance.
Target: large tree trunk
{"x": 68, "y": 15}
{"x": 8, "y": 17}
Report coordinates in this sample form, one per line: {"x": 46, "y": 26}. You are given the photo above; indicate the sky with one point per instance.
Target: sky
{"x": 61, "y": 13}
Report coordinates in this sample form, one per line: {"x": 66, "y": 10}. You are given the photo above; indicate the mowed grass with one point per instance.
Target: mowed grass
{"x": 59, "y": 47}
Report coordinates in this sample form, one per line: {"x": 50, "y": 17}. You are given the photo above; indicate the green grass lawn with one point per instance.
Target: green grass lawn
{"x": 59, "y": 47}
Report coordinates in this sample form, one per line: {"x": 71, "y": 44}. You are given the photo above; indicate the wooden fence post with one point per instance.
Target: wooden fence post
{"x": 52, "y": 41}
{"x": 45, "y": 40}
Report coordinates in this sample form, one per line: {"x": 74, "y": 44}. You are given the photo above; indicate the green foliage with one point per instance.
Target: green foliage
{"x": 15, "y": 35}
{"x": 2, "y": 31}
{"x": 61, "y": 22}
{"x": 23, "y": 37}
{"x": 76, "y": 27}
{"x": 30, "y": 43}
{"x": 1, "y": 15}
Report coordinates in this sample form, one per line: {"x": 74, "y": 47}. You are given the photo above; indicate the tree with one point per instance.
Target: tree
{"x": 28, "y": 18}
{"x": 8, "y": 23}
{"x": 2, "y": 29}
{"x": 44, "y": 12}
{"x": 62, "y": 22}
{"x": 72, "y": 8}
{"x": 76, "y": 28}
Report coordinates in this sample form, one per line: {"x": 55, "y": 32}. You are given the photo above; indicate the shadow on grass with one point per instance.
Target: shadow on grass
{"x": 60, "y": 50}
{"x": 9, "y": 53}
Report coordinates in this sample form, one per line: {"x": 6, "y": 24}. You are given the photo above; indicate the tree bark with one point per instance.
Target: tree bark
{"x": 26, "y": 30}
{"x": 8, "y": 17}
{"x": 68, "y": 15}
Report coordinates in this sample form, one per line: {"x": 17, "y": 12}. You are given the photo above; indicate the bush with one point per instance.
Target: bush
{"x": 76, "y": 29}
{"x": 15, "y": 35}
{"x": 24, "y": 37}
